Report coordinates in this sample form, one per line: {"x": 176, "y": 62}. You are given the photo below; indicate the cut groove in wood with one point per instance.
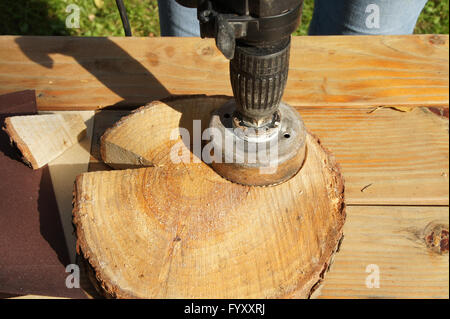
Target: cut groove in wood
{"x": 182, "y": 231}
{"x": 42, "y": 138}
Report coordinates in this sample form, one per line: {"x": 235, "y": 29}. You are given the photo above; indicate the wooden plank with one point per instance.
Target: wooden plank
{"x": 87, "y": 73}
{"x": 35, "y": 297}
{"x": 63, "y": 172}
{"x": 392, "y": 239}
{"x": 387, "y": 157}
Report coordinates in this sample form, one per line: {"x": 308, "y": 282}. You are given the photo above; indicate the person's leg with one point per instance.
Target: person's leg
{"x": 176, "y": 20}
{"x": 333, "y": 17}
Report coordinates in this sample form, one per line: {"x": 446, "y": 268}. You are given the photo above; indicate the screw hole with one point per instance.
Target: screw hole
{"x": 287, "y": 135}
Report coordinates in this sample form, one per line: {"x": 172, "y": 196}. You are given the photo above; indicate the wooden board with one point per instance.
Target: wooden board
{"x": 387, "y": 157}
{"x": 392, "y": 239}
{"x": 324, "y": 71}
{"x": 64, "y": 170}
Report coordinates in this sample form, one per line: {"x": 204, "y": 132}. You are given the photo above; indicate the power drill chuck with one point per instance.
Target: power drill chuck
{"x": 258, "y": 78}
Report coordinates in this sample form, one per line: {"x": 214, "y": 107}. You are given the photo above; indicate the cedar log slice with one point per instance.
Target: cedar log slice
{"x": 157, "y": 229}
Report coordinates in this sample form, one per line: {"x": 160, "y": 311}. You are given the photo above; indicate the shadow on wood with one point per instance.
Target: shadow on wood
{"x": 109, "y": 63}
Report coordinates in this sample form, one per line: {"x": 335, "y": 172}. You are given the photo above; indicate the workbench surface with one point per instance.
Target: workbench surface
{"x": 364, "y": 97}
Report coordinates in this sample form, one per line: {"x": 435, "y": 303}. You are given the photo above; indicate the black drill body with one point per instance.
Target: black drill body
{"x": 255, "y": 36}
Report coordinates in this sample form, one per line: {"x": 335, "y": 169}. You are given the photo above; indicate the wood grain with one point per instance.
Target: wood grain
{"x": 393, "y": 239}
{"x": 195, "y": 234}
{"x": 103, "y": 120}
{"x": 42, "y": 138}
{"x": 387, "y": 157}
{"x": 324, "y": 71}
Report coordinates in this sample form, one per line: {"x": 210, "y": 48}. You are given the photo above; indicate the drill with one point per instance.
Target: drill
{"x": 255, "y": 35}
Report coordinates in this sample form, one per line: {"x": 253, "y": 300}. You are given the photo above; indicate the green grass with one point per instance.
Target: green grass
{"x": 308, "y": 8}
{"x": 47, "y": 17}
{"x": 434, "y": 18}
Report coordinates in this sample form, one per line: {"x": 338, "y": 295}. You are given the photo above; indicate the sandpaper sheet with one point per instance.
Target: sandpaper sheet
{"x": 33, "y": 251}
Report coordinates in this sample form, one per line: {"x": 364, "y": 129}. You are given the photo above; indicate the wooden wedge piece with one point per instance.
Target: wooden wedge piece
{"x": 146, "y": 137}
{"x": 42, "y": 138}
{"x": 182, "y": 231}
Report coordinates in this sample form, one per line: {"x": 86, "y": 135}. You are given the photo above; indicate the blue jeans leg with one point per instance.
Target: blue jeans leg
{"x": 331, "y": 17}
{"x": 176, "y": 20}
{"x": 389, "y": 17}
